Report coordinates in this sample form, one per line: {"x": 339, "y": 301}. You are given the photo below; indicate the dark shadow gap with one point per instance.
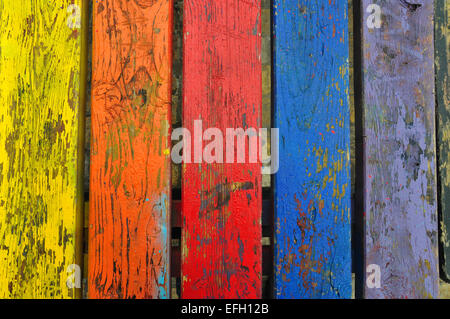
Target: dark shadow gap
{"x": 358, "y": 214}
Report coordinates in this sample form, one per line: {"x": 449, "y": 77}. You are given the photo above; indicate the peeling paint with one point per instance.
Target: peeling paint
{"x": 312, "y": 187}
{"x": 39, "y": 134}
{"x": 400, "y": 202}
{"x": 130, "y": 187}
{"x": 221, "y": 236}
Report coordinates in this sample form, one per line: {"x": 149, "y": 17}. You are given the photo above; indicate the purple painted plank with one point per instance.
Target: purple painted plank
{"x": 400, "y": 199}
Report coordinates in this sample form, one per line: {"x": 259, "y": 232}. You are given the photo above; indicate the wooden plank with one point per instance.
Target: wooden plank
{"x": 41, "y": 129}
{"x": 312, "y": 186}
{"x": 399, "y": 128}
{"x": 221, "y": 238}
{"x": 442, "y": 61}
{"x": 130, "y": 192}
{"x": 351, "y": 44}
{"x": 178, "y": 75}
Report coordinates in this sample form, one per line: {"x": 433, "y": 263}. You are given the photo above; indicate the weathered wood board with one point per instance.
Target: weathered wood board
{"x": 312, "y": 186}
{"x": 442, "y": 61}
{"x": 41, "y": 132}
{"x": 400, "y": 160}
{"x": 221, "y": 235}
{"x": 130, "y": 188}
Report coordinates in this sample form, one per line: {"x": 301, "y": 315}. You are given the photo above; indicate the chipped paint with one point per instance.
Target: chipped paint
{"x": 442, "y": 62}
{"x": 221, "y": 237}
{"x": 400, "y": 202}
{"x": 40, "y": 198}
{"x": 129, "y": 233}
{"x": 312, "y": 187}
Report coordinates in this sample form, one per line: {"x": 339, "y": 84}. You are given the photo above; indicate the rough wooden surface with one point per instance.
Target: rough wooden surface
{"x": 40, "y": 128}
{"x": 130, "y": 189}
{"x": 177, "y": 86}
{"x": 400, "y": 179}
{"x": 444, "y": 290}
{"x": 351, "y": 44}
{"x": 221, "y": 235}
{"x": 312, "y": 187}
{"x": 266, "y": 65}
{"x": 442, "y": 61}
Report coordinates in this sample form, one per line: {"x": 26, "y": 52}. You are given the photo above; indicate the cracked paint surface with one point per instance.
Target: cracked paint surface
{"x": 400, "y": 159}
{"x": 130, "y": 187}
{"x": 312, "y": 186}
{"x": 221, "y": 235}
{"x": 442, "y": 62}
{"x": 40, "y": 58}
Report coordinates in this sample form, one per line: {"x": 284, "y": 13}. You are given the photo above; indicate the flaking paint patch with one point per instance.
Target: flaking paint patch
{"x": 130, "y": 190}
{"x": 312, "y": 195}
{"x": 400, "y": 203}
{"x": 442, "y": 62}
{"x": 221, "y": 238}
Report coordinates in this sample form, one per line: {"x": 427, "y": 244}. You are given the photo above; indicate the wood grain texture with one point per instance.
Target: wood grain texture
{"x": 221, "y": 236}
{"x": 40, "y": 130}
{"x": 442, "y": 61}
{"x": 400, "y": 160}
{"x": 312, "y": 186}
{"x": 351, "y": 76}
{"x": 130, "y": 189}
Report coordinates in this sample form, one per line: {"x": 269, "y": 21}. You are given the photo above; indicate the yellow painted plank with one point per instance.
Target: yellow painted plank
{"x": 41, "y": 128}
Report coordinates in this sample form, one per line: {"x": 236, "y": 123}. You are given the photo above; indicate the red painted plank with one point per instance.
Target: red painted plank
{"x": 221, "y": 238}
{"x": 130, "y": 188}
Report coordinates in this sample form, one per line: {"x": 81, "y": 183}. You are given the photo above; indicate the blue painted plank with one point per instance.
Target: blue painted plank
{"x": 312, "y": 186}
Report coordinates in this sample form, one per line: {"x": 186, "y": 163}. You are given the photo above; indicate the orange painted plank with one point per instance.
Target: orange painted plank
{"x": 130, "y": 189}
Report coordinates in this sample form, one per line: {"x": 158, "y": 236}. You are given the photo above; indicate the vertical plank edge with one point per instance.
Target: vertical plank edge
{"x": 442, "y": 61}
